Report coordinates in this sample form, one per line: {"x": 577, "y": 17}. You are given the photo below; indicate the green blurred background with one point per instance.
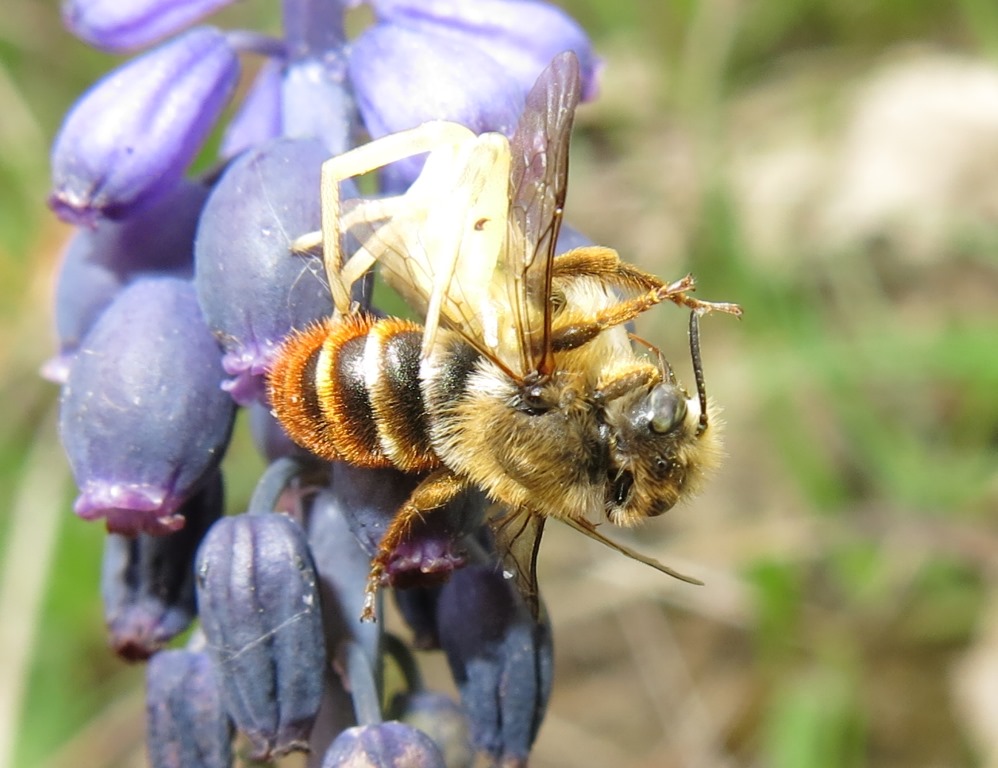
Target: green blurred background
{"x": 832, "y": 165}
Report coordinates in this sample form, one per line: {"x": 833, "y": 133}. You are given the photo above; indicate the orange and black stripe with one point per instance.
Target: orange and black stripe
{"x": 350, "y": 390}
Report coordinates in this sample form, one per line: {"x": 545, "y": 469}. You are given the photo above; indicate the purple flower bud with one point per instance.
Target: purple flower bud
{"x": 84, "y": 289}
{"x": 142, "y": 419}
{"x": 147, "y": 582}
{"x": 259, "y": 602}
{"x": 442, "y": 719}
{"x": 252, "y": 288}
{"x": 500, "y": 659}
{"x": 123, "y": 25}
{"x": 186, "y": 725}
{"x": 158, "y": 240}
{"x": 522, "y": 35}
{"x": 132, "y": 135}
{"x": 385, "y": 745}
{"x": 258, "y": 119}
{"x": 404, "y": 77}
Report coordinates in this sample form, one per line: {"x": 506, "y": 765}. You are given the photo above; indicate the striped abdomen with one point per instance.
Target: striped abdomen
{"x": 350, "y": 390}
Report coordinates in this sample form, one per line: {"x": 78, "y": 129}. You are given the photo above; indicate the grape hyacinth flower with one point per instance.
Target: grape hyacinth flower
{"x": 185, "y": 720}
{"x": 113, "y": 25}
{"x": 141, "y": 439}
{"x": 523, "y": 36}
{"x": 258, "y": 597}
{"x": 100, "y": 261}
{"x": 502, "y": 46}
{"x": 259, "y": 117}
{"x": 370, "y": 498}
{"x": 479, "y": 94}
{"x": 147, "y": 582}
{"x": 252, "y": 290}
{"x": 132, "y": 135}
{"x": 385, "y": 745}
{"x": 176, "y": 289}
{"x": 493, "y": 644}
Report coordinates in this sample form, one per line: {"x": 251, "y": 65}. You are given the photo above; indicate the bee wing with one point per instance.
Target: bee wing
{"x": 538, "y": 183}
{"x": 518, "y": 539}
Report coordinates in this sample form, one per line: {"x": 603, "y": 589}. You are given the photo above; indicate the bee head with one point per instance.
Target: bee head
{"x": 664, "y": 443}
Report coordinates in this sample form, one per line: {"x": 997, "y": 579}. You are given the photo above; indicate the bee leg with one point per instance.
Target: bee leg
{"x": 605, "y": 264}
{"x": 676, "y": 293}
{"x": 572, "y": 335}
{"x": 433, "y": 493}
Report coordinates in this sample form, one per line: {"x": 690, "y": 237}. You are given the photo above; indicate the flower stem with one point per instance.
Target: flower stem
{"x": 253, "y": 42}
{"x": 316, "y": 99}
{"x": 313, "y": 27}
{"x": 272, "y": 483}
{"x": 363, "y": 690}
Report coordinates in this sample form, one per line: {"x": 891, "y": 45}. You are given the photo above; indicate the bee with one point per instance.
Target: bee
{"x": 522, "y": 382}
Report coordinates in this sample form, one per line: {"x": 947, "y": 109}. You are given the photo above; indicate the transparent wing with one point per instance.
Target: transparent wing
{"x": 518, "y": 539}
{"x": 538, "y": 183}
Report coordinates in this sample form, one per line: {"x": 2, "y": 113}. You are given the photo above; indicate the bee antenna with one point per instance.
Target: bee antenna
{"x": 698, "y": 370}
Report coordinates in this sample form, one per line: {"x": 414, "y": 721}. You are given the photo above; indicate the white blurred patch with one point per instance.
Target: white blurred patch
{"x": 919, "y": 156}
{"x": 975, "y": 690}
{"x": 906, "y": 157}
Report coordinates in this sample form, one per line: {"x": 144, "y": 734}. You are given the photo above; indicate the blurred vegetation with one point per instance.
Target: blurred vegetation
{"x": 856, "y": 510}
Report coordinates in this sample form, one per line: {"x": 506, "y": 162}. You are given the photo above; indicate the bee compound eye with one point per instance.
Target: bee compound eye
{"x": 667, "y": 407}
